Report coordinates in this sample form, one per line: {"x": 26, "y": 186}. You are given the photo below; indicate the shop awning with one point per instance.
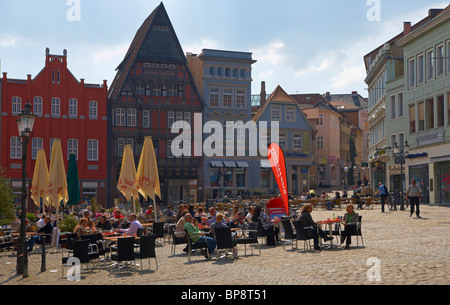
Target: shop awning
{"x": 229, "y": 163}
{"x": 216, "y": 164}
{"x": 242, "y": 164}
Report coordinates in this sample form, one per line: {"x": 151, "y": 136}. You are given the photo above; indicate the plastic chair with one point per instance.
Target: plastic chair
{"x": 194, "y": 246}
{"x": 289, "y": 234}
{"x": 225, "y": 241}
{"x": 146, "y": 249}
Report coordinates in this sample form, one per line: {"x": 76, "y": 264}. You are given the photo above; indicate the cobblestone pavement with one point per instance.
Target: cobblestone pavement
{"x": 407, "y": 251}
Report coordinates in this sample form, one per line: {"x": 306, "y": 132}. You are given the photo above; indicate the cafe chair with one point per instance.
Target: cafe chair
{"x": 81, "y": 251}
{"x": 358, "y": 232}
{"x": 158, "y": 230}
{"x": 6, "y": 242}
{"x": 289, "y": 234}
{"x": 302, "y": 235}
{"x": 124, "y": 251}
{"x": 195, "y": 246}
{"x": 146, "y": 249}
{"x": 250, "y": 237}
{"x": 225, "y": 241}
{"x": 260, "y": 231}
{"x": 175, "y": 239}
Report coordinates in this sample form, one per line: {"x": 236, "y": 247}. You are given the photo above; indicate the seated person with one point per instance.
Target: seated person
{"x": 169, "y": 211}
{"x": 104, "y": 224}
{"x": 81, "y": 228}
{"x": 46, "y": 229}
{"x": 198, "y": 237}
{"x": 344, "y": 194}
{"x": 200, "y": 213}
{"x": 369, "y": 190}
{"x": 90, "y": 225}
{"x": 179, "y": 227}
{"x": 311, "y": 228}
{"x": 134, "y": 226}
{"x": 218, "y": 224}
{"x": 235, "y": 219}
{"x": 350, "y": 222}
{"x": 211, "y": 218}
{"x": 225, "y": 199}
{"x": 357, "y": 199}
{"x": 270, "y": 231}
{"x": 336, "y": 197}
{"x": 324, "y": 195}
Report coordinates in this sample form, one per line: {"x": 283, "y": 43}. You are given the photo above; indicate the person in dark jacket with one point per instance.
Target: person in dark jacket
{"x": 311, "y": 228}
{"x": 46, "y": 229}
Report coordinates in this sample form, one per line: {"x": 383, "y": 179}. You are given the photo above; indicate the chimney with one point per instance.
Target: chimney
{"x": 263, "y": 94}
{"x": 354, "y": 92}
{"x": 328, "y": 96}
{"x": 406, "y": 28}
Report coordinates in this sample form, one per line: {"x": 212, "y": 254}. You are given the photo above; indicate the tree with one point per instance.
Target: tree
{"x": 353, "y": 156}
{"x": 7, "y": 210}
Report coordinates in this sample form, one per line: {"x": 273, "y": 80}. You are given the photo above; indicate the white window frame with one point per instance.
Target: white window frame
{"x": 227, "y": 98}
{"x": 15, "y": 148}
{"x": 120, "y": 146}
{"x": 320, "y": 143}
{"x": 275, "y": 112}
{"x": 36, "y": 144}
{"x": 297, "y": 141}
{"x": 187, "y": 117}
{"x": 439, "y": 61}
{"x": 283, "y": 140}
{"x": 131, "y": 117}
{"x": 73, "y": 107}
{"x": 401, "y": 104}
{"x": 51, "y": 143}
{"x": 429, "y": 65}
{"x": 216, "y": 93}
{"x": 56, "y": 106}
{"x": 420, "y": 70}
{"x": 170, "y": 119}
{"x": 321, "y": 120}
{"x": 291, "y": 110}
{"x": 169, "y": 149}
{"x": 92, "y": 150}
{"x": 16, "y": 103}
{"x": 72, "y": 148}
{"x": 37, "y": 105}
{"x": 240, "y": 98}
{"x": 93, "y": 109}
{"x": 447, "y": 59}
{"x": 120, "y": 116}
{"x": 411, "y": 73}
{"x": 146, "y": 119}
{"x": 393, "y": 106}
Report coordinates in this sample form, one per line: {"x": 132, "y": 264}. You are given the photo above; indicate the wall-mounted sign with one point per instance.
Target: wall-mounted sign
{"x": 415, "y": 156}
{"x": 432, "y": 137}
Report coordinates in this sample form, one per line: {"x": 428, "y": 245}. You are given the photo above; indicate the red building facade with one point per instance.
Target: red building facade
{"x": 67, "y": 109}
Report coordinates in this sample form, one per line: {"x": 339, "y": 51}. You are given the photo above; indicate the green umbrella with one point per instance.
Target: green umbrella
{"x": 73, "y": 184}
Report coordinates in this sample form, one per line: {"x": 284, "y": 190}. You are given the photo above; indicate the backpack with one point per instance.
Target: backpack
{"x": 385, "y": 189}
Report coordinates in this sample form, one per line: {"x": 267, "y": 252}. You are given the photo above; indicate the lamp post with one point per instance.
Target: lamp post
{"x": 346, "y": 178}
{"x": 25, "y": 125}
{"x": 400, "y": 154}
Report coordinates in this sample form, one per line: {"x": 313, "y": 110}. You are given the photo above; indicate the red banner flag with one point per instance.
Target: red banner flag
{"x": 276, "y": 158}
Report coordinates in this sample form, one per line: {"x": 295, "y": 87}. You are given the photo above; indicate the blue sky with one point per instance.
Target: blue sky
{"x": 304, "y": 46}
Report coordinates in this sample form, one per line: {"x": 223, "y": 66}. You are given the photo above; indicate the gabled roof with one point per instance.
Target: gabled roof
{"x": 150, "y": 43}
{"x": 308, "y": 100}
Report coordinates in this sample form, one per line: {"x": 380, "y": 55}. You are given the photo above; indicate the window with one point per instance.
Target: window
{"x": 276, "y": 113}
{"x": 140, "y": 88}
{"x": 412, "y": 119}
{"x": 73, "y": 107}
{"x": 282, "y": 140}
{"x": 429, "y": 65}
{"x": 36, "y": 144}
{"x": 393, "y": 140}
{"x": 440, "y": 60}
{"x": 51, "y": 143}
{"x": 240, "y": 98}
{"x": 160, "y": 90}
{"x": 420, "y": 70}
{"x": 448, "y": 108}
{"x": 72, "y": 148}
{"x": 37, "y": 105}
{"x": 58, "y": 74}
{"x": 187, "y": 117}
{"x": 179, "y": 116}
{"x": 15, "y": 148}
{"x": 392, "y": 106}
{"x": 56, "y": 110}
{"x": 131, "y": 117}
{"x": 290, "y": 113}
{"x": 146, "y": 119}
{"x": 176, "y": 90}
{"x": 120, "y": 146}
{"x": 214, "y": 97}
{"x": 227, "y": 72}
{"x": 170, "y": 119}
{"x": 172, "y": 66}
{"x": 440, "y": 111}
{"x": 320, "y": 143}
{"x": 169, "y": 149}
{"x": 448, "y": 57}
{"x": 429, "y": 110}
{"x": 211, "y": 71}
{"x": 53, "y": 76}
{"x": 130, "y": 141}
{"x": 297, "y": 141}
{"x": 92, "y": 150}
{"x": 16, "y": 105}
{"x": 120, "y": 117}
{"x": 219, "y": 71}
{"x": 240, "y": 177}
{"x": 242, "y": 73}
{"x": 227, "y": 98}
{"x": 321, "y": 119}
{"x": 235, "y": 73}
{"x": 93, "y": 110}
{"x": 411, "y": 74}
{"x": 400, "y": 104}
{"x": 421, "y": 111}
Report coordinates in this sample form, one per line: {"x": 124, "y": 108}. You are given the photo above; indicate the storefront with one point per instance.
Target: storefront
{"x": 227, "y": 178}
{"x": 442, "y": 177}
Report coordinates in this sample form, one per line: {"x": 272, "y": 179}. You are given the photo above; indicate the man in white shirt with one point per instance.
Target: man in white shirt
{"x": 134, "y": 226}
{"x": 41, "y": 221}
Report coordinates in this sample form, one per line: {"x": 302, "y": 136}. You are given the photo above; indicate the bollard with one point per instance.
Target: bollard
{"x": 43, "y": 264}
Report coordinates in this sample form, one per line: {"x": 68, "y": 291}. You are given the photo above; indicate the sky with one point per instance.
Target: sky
{"x": 313, "y": 46}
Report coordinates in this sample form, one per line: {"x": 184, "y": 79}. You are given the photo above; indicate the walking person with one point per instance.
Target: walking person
{"x": 383, "y": 192}
{"x": 414, "y": 194}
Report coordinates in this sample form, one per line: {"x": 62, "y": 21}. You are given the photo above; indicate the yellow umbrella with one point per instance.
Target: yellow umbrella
{"x": 40, "y": 179}
{"x": 128, "y": 175}
{"x": 57, "y": 180}
{"x": 147, "y": 177}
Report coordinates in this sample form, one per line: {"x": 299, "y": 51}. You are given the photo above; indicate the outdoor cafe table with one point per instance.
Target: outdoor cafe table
{"x": 146, "y": 226}
{"x": 330, "y": 224}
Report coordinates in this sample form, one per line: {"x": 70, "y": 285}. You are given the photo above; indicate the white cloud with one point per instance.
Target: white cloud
{"x": 107, "y": 54}
{"x": 271, "y": 53}
{"x": 204, "y": 43}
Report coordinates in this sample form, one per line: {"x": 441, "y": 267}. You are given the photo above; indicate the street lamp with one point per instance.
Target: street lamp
{"x": 346, "y": 177}
{"x": 25, "y": 125}
{"x": 400, "y": 158}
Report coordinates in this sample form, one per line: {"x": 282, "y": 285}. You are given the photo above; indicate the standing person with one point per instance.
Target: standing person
{"x": 383, "y": 192}
{"x": 414, "y": 194}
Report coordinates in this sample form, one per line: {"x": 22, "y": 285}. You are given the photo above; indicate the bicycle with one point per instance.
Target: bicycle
{"x": 394, "y": 200}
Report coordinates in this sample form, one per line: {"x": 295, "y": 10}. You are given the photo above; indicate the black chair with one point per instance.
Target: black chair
{"x": 146, "y": 249}
{"x": 225, "y": 241}
{"x": 175, "y": 239}
{"x": 81, "y": 252}
{"x": 195, "y": 246}
{"x": 125, "y": 251}
{"x": 6, "y": 242}
{"x": 289, "y": 234}
{"x": 158, "y": 230}
{"x": 358, "y": 232}
{"x": 251, "y": 238}
{"x": 302, "y": 235}
{"x": 260, "y": 231}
